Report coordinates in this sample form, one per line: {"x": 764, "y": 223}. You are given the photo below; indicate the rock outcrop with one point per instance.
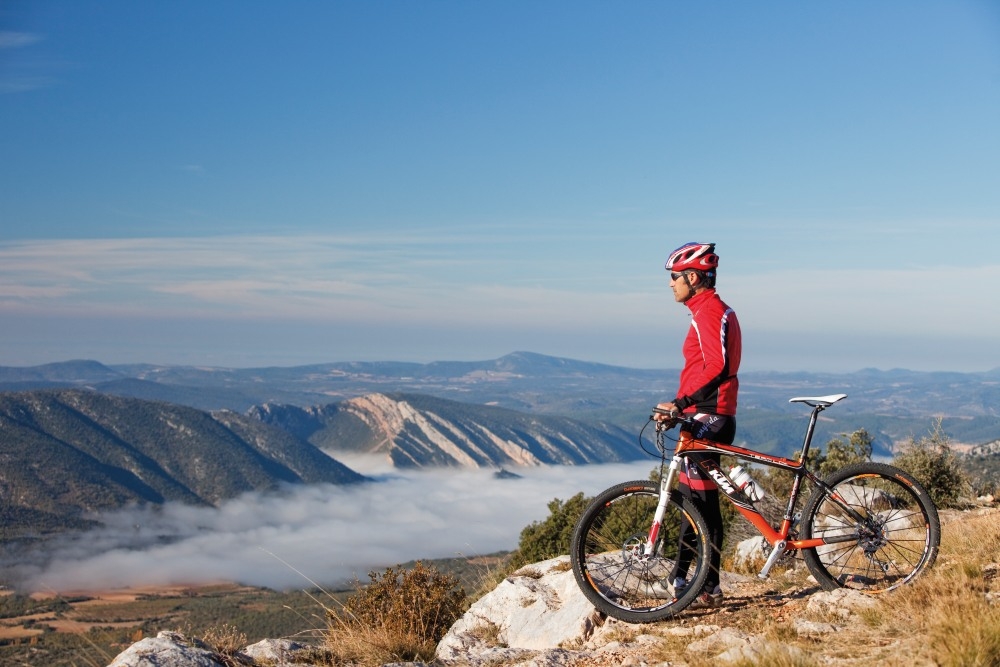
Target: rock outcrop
{"x": 538, "y": 608}
{"x": 167, "y": 649}
{"x": 172, "y": 649}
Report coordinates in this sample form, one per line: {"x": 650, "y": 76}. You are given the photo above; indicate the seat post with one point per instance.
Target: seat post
{"x": 809, "y": 430}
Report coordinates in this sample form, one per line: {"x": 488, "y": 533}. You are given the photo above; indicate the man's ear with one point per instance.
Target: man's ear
{"x": 694, "y": 278}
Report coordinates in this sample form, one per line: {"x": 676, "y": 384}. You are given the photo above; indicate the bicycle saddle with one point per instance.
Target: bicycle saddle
{"x": 813, "y": 401}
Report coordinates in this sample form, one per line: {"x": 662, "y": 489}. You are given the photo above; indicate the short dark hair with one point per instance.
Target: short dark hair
{"x": 706, "y": 278}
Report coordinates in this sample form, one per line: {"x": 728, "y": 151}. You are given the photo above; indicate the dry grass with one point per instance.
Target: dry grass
{"x": 564, "y": 566}
{"x": 227, "y": 641}
{"x": 529, "y": 572}
{"x": 949, "y": 617}
{"x": 225, "y": 638}
{"x": 668, "y": 649}
{"x": 489, "y": 633}
{"x": 399, "y": 616}
{"x": 491, "y": 573}
{"x": 776, "y": 656}
{"x": 355, "y": 644}
{"x": 949, "y": 605}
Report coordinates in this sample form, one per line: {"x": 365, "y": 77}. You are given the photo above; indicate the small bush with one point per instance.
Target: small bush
{"x": 839, "y": 452}
{"x": 552, "y": 537}
{"x": 932, "y": 462}
{"x": 400, "y": 615}
{"x": 227, "y": 641}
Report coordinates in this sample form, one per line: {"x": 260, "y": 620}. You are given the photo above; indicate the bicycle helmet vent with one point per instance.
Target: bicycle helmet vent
{"x": 697, "y": 256}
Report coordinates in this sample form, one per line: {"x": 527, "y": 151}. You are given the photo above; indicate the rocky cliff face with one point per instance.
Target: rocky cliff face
{"x": 413, "y": 430}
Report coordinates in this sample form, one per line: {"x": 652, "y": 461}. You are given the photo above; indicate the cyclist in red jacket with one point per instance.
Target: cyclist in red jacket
{"x": 708, "y": 388}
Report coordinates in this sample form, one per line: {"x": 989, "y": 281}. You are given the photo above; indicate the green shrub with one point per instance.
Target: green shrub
{"x": 839, "y": 452}
{"x": 552, "y": 537}
{"x": 932, "y": 462}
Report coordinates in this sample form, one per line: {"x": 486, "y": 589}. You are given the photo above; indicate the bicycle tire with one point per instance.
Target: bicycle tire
{"x": 898, "y": 539}
{"x": 608, "y": 560}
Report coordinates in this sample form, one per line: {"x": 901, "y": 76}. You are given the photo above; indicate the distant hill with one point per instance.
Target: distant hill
{"x": 59, "y": 374}
{"x": 67, "y": 453}
{"x": 415, "y": 430}
{"x": 893, "y": 405}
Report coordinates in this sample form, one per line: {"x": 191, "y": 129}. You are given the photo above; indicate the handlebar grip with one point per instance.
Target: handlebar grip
{"x": 673, "y": 414}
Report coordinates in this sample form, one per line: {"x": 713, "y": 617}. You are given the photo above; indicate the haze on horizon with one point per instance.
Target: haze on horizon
{"x": 250, "y": 184}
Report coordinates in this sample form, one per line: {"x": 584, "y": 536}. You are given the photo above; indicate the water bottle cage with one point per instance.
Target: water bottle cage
{"x": 741, "y": 478}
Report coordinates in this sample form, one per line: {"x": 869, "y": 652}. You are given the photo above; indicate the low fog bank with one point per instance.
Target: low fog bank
{"x": 324, "y": 533}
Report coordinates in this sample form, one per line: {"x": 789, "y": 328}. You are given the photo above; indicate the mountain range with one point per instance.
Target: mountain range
{"x": 68, "y": 454}
{"x": 893, "y": 405}
{"x": 81, "y": 437}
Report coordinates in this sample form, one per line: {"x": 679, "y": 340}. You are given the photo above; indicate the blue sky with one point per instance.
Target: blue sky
{"x": 259, "y": 183}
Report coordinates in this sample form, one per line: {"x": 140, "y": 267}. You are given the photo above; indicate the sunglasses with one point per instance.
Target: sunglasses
{"x": 676, "y": 276}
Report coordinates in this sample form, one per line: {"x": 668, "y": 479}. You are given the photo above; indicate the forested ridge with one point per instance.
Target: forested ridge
{"x": 65, "y": 454}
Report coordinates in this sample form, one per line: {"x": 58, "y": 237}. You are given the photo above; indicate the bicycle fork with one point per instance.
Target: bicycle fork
{"x": 666, "y": 482}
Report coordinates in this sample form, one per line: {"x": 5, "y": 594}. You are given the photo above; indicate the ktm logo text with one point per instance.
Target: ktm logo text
{"x": 721, "y": 480}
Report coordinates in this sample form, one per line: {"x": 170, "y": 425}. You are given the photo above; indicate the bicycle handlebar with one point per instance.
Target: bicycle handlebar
{"x": 674, "y": 417}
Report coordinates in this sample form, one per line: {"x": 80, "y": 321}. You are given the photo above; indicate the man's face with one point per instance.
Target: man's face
{"x": 682, "y": 291}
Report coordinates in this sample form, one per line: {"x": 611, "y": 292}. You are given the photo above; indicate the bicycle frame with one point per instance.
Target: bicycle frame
{"x": 779, "y": 539}
{"x": 643, "y": 552}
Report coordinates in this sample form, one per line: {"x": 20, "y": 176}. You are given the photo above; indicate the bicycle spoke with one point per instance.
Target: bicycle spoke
{"x": 610, "y": 553}
{"x": 895, "y": 536}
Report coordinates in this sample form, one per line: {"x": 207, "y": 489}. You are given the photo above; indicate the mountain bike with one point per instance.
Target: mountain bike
{"x": 867, "y": 526}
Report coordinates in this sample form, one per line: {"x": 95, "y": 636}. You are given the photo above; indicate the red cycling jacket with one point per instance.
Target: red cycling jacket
{"x": 711, "y": 357}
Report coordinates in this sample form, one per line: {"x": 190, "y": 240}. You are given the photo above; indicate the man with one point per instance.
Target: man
{"x": 708, "y": 387}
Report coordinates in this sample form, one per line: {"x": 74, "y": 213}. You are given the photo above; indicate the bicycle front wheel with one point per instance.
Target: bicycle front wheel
{"x": 890, "y": 537}
{"x": 615, "y": 570}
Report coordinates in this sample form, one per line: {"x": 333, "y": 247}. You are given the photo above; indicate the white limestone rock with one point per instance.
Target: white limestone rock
{"x": 842, "y": 602}
{"x": 276, "y": 652}
{"x": 167, "y": 649}
{"x": 538, "y": 607}
{"x": 749, "y": 554}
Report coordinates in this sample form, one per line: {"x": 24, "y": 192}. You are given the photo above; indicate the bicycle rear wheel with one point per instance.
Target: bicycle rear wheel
{"x": 609, "y": 559}
{"x": 896, "y": 539}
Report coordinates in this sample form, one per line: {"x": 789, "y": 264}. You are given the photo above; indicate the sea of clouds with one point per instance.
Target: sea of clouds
{"x": 316, "y": 534}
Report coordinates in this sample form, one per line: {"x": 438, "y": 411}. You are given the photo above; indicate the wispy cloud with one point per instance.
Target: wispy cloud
{"x": 410, "y": 292}
{"x": 408, "y": 279}
{"x": 311, "y": 277}
{"x": 902, "y": 302}
{"x": 12, "y": 84}
{"x": 15, "y": 40}
{"x": 19, "y": 76}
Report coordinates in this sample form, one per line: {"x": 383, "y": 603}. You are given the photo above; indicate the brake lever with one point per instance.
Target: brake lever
{"x": 673, "y": 418}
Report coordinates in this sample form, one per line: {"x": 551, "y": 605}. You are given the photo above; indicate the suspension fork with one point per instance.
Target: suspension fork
{"x": 666, "y": 483}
